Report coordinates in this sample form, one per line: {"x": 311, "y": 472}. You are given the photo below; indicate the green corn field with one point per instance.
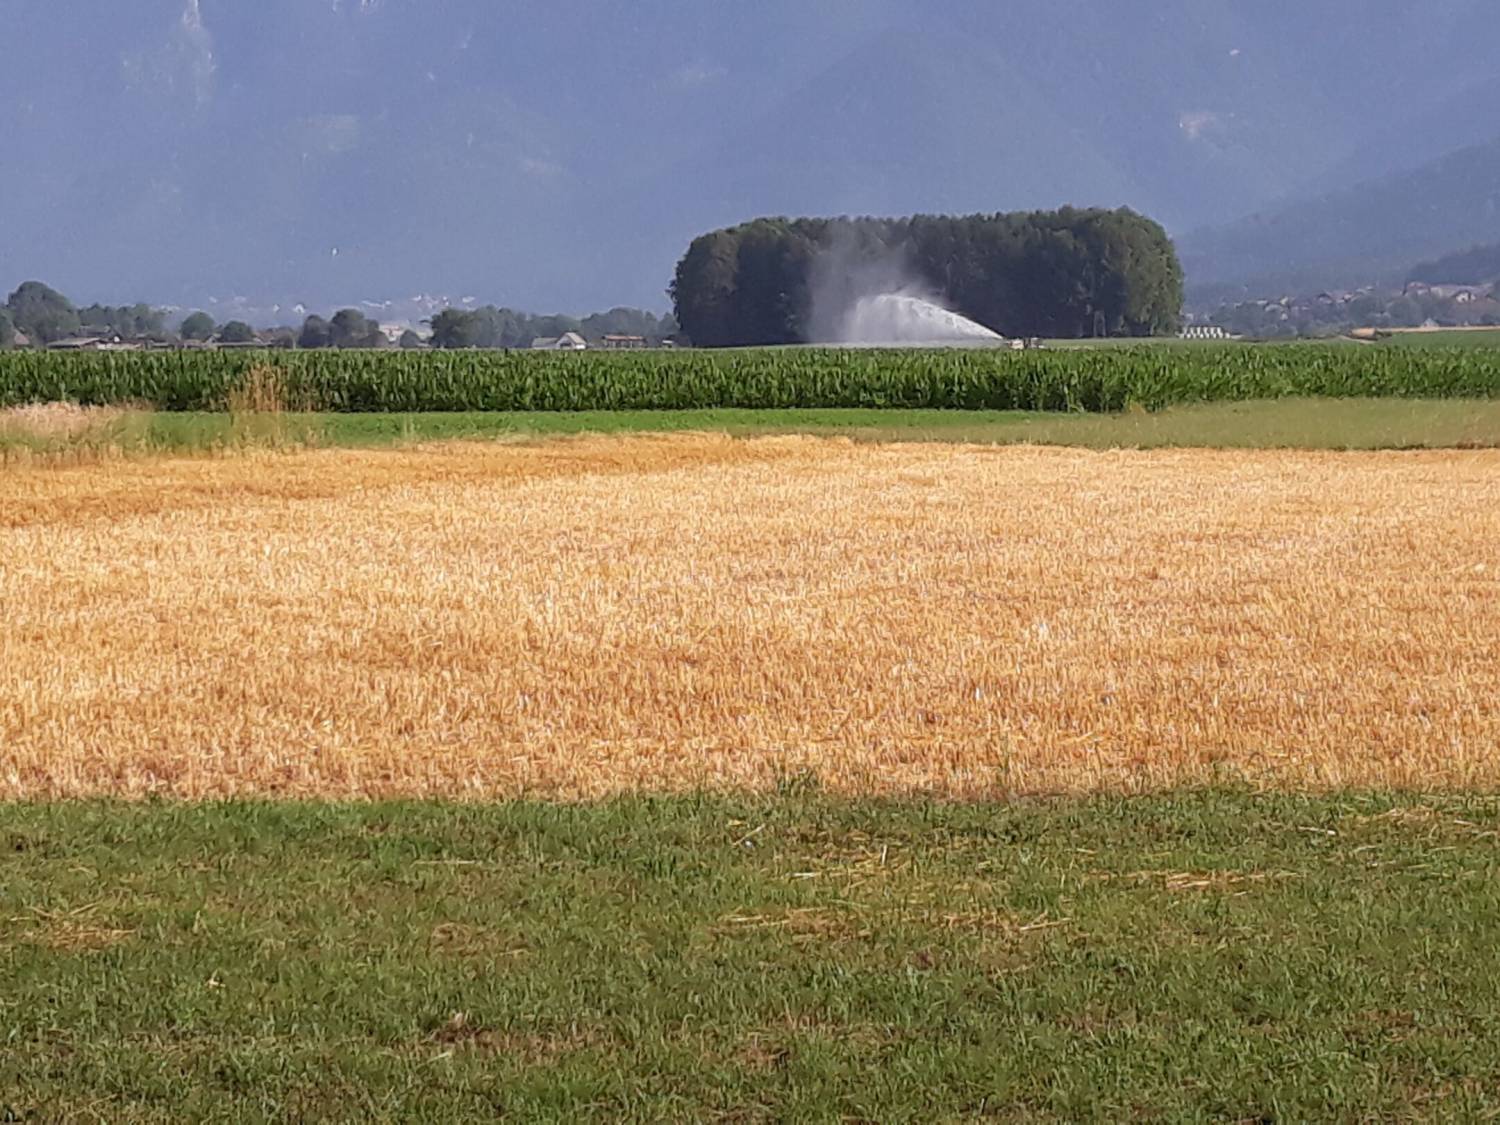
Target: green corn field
{"x": 1086, "y": 380}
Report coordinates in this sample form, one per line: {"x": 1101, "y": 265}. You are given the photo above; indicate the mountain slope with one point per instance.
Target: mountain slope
{"x": 1037, "y": 108}
{"x": 562, "y": 153}
{"x": 968, "y": 114}
{"x": 1478, "y": 265}
{"x": 1461, "y": 120}
{"x": 1369, "y": 233}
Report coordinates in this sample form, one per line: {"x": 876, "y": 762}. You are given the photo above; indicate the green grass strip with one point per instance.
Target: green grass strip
{"x": 1203, "y": 956}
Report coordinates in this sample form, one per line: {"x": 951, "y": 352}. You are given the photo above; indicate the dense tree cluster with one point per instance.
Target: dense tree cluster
{"x": 1066, "y": 273}
{"x": 198, "y": 326}
{"x": 349, "y": 328}
{"x": 45, "y": 316}
{"x": 490, "y": 327}
{"x": 237, "y": 332}
{"x": 130, "y": 322}
{"x": 42, "y": 313}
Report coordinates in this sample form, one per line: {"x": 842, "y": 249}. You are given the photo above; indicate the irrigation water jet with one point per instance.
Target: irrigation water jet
{"x": 901, "y": 320}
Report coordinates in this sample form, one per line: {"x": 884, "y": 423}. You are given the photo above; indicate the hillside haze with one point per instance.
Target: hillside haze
{"x": 1375, "y": 231}
{"x": 562, "y": 154}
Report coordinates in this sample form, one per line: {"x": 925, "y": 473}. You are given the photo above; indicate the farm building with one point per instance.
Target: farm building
{"x": 567, "y": 342}
{"x": 624, "y": 343}
{"x": 93, "y": 344}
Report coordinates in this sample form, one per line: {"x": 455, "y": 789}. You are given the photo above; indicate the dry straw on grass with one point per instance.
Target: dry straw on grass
{"x": 578, "y": 618}
{"x": 64, "y": 433}
{"x": 57, "y": 421}
{"x": 264, "y": 390}
{"x": 259, "y": 405}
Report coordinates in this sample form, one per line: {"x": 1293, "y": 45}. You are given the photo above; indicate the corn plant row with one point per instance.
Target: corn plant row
{"x": 1098, "y": 380}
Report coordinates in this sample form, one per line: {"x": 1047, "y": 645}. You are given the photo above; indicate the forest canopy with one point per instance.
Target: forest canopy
{"x": 1061, "y": 274}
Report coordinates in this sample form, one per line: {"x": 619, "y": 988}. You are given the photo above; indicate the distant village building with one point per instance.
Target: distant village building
{"x": 93, "y": 344}
{"x": 624, "y": 343}
{"x": 1463, "y": 294}
{"x": 567, "y": 342}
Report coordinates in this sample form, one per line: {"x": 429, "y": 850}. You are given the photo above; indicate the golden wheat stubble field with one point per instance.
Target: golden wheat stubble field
{"x": 576, "y": 618}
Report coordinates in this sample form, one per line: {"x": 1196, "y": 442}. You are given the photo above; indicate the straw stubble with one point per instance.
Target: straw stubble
{"x": 577, "y": 618}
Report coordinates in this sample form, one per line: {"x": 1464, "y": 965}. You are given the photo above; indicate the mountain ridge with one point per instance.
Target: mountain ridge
{"x": 1370, "y": 233}
{"x": 563, "y": 154}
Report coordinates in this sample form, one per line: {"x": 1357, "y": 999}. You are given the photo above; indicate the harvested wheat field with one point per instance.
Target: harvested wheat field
{"x": 576, "y": 618}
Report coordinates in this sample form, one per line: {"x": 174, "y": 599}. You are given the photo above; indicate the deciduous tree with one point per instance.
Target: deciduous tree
{"x": 42, "y": 313}
{"x": 350, "y": 328}
{"x": 197, "y": 326}
{"x": 314, "y": 334}
{"x": 237, "y": 332}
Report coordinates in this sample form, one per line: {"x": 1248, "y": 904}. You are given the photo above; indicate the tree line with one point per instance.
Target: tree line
{"x": 1066, "y": 273}
{"x": 492, "y": 327}
{"x": 45, "y": 316}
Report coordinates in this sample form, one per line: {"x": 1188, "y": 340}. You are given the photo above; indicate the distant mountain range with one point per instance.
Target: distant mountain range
{"x": 1461, "y": 120}
{"x": 1371, "y": 233}
{"x": 560, "y": 154}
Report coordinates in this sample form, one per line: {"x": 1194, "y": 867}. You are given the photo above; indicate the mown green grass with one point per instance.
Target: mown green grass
{"x": 1212, "y": 955}
{"x": 1283, "y": 423}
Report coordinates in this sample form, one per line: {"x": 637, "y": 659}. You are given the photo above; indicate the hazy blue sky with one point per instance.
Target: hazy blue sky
{"x": 558, "y": 154}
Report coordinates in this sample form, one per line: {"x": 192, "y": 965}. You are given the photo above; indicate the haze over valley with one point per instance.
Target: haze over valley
{"x": 562, "y": 155}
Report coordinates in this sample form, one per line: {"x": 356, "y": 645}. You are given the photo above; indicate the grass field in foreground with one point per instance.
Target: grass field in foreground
{"x": 1285, "y": 423}
{"x": 594, "y": 615}
{"x": 1203, "y": 956}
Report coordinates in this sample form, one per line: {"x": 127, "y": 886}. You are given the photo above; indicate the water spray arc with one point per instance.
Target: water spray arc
{"x": 905, "y": 320}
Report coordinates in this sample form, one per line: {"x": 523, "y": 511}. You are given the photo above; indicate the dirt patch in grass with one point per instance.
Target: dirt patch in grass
{"x": 463, "y": 1033}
